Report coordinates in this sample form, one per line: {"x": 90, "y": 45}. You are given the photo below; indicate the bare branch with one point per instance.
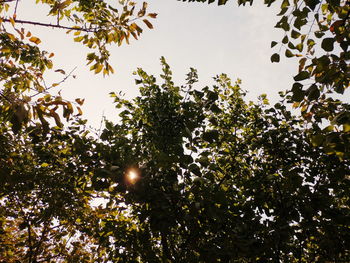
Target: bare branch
{"x": 63, "y": 80}
{"x": 15, "y": 12}
{"x": 51, "y": 25}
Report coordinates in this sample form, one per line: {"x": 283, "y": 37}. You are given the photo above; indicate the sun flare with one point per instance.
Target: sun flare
{"x": 132, "y": 176}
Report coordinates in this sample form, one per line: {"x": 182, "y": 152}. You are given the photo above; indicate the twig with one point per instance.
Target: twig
{"x": 88, "y": 30}
{"x": 102, "y": 118}
{"x": 15, "y": 12}
{"x": 63, "y": 80}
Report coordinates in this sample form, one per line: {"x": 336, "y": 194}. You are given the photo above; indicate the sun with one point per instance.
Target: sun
{"x": 132, "y": 175}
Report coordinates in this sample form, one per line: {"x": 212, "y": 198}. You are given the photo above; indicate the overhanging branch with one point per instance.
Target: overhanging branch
{"x": 50, "y": 25}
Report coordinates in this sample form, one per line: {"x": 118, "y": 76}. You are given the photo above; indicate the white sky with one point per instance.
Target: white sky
{"x": 226, "y": 39}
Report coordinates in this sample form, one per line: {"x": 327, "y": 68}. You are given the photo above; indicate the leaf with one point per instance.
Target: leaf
{"x": 222, "y": 2}
{"x": 313, "y": 92}
{"x": 148, "y": 24}
{"x": 317, "y": 140}
{"x": 302, "y": 76}
{"x": 152, "y": 15}
{"x": 60, "y": 71}
{"x": 328, "y": 44}
{"x": 35, "y": 40}
{"x": 275, "y": 58}
{"x": 210, "y": 136}
{"x": 289, "y": 53}
{"x": 302, "y": 62}
{"x": 12, "y": 21}
{"x": 98, "y": 68}
{"x": 346, "y": 127}
{"x": 80, "y": 112}
{"x": 299, "y": 47}
{"x": 80, "y": 101}
{"x": 295, "y": 34}
{"x": 273, "y": 43}
{"x": 78, "y": 39}
{"x": 298, "y": 93}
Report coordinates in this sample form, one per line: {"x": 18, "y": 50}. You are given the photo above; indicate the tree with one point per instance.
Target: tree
{"x": 187, "y": 175}
{"x": 219, "y": 180}
{"x": 45, "y": 184}
{"x": 317, "y": 32}
{"x": 25, "y": 96}
{"x": 45, "y": 195}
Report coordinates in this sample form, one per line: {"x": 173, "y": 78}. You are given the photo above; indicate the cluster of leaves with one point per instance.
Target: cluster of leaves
{"x": 25, "y": 97}
{"x": 317, "y": 32}
{"x": 216, "y": 179}
{"x": 219, "y": 179}
{"x": 45, "y": 196}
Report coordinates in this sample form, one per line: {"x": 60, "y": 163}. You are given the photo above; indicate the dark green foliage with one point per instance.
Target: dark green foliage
{"x": 239, "y": 183}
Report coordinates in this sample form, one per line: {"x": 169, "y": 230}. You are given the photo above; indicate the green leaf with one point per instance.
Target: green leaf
{"x": 313, "y": 92}
{"x": 312, "y": 3}
{"x": 273, "y": 43}
{"x": 317, "y": 140}
{"x": 298, "y": 93}
{"x": 210, "y": 136}
{"x": 328, "y": 44}
{"x": 289, "y": 53}
{"x": 299, "y": 47}
{"x": 275, "y": 58}
{"x": 295, "y": 34}
{"x": 302, "y": 76}
{"x": 222, "y": 2}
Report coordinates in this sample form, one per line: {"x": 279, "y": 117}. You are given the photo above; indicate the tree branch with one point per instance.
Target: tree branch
{"x": 51, "y": 25}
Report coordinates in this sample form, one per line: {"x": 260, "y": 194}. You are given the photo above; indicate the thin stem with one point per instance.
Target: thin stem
{"x": 51, "y": 25}
{"x": 15, "y": 12}
{"x": 63, "y": 80}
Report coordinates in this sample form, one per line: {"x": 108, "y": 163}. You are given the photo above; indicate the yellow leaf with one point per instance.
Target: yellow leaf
{"x": 98, "y": 68}
{"x": 60, "y": 71}
{"x": 78, "y": 39}
{"x": 35, "y": 40}
{"x": 28, "y": 34}
{"x": 12, "y": 21}
{"x": 11, "y": 36}
{"x": 80, "y": 101}
{"x": 346, "y": 127}
{"x": 70, "y": 107}
{"x": 80, "y": 111}
{"x": 148, "y": 24}
{"x": 153, "y": 15}
{"x": 5, "y": 50}
{"x": 110, "y": 69}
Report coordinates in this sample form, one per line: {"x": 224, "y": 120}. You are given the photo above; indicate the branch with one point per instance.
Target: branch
{"x": 30, "y": 252}
{"x": 165, "y": 246}
{"x": 51, "y": 25}
{"x": 63, "y": 80}
{"x": 15, "y": 12}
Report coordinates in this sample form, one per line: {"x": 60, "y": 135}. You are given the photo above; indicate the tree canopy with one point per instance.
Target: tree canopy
{"x": 188, "y": 174}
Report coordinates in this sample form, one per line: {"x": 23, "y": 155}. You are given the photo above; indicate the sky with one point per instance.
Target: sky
{"x": 213, "y": 39}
